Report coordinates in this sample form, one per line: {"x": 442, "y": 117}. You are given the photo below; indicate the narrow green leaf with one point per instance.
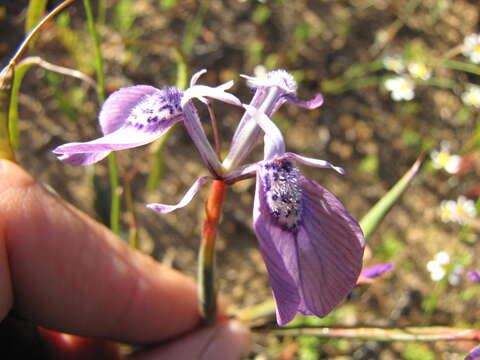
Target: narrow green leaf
{"x": 375, "y": 215}
{"x": 6, "y": 151}
{"x": 35, "y": 11}
{"x": 20, "y": 71}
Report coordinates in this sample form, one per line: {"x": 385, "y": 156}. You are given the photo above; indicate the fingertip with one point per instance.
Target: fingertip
{"x": 11, "y": 174}
{"x": 226, "y": 341}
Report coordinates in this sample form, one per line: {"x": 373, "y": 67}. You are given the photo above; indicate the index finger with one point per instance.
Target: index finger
{"x": 71, "y": 274}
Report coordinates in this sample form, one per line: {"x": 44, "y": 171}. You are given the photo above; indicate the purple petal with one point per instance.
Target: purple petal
{"x": 315, "y": 162}
{"x": 474, "y": 354}
{"x": 116, "y": 109}
{"x": 164, "y": 209}
{"x": 474, "y": 276}
{"x": 83, "y": 159}
{"x": 376, "y": 270}
{"x": 279, "y": 252}
{"x": 126, "y": 137}
{"x": 330, "y": 250}
{"x": 314, "y": 103}
{"x": 312, "y": 247}
{"x": 142, "y": 118}
{"x": 274, "y": 142}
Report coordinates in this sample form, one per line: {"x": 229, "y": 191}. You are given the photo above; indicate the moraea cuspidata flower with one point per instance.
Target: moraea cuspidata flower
{"x": 311, "y": 245}
{"x": 137, "y": 115}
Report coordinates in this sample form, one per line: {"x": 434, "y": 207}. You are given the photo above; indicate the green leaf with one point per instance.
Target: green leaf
{"x": 375, "y": 215}
{"x": 35, "y": 11}
{"x": 19, "y": 73}
{"x": 6, "y": 151}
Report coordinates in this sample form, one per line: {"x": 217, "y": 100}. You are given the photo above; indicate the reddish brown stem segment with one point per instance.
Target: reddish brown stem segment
{"x": 206, "y": 261}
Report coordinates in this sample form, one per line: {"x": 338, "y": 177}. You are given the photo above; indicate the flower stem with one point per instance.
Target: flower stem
{"x": 112, "y": 160}
{"x": 206, "y": 260}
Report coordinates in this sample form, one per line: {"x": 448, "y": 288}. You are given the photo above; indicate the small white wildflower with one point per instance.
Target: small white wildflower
{"x": 472, "y": 96}
{"x": 471, "y": 47}
{"x": 443, "y": 159}
{"x": 401, "y": 88}
{"x": 419, "y": 71}
{"x": 437, "y": 272}
{"x": 394, "y": 63}
{"x": 455, "y": 276}
{"x": 466, "y": 207}
{"x": 457, "y": 211}
{"x": 448, "y": 211}
{"x": 442, "y": 258}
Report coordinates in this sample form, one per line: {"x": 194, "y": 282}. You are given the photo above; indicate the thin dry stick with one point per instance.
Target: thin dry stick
{"x": 59, "y": 69}
{"x": 23, "y": 46}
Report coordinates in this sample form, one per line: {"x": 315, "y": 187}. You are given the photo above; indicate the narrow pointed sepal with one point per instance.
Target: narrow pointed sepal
{"x": 311, "y": 104}
{"x": 164, "y": 209}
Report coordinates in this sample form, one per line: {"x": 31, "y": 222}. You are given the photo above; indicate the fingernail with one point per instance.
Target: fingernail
{"x": 230, "y": 342}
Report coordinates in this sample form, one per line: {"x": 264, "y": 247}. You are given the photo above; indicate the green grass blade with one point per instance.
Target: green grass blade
{"x": 6, "y": 151}
{"x": 375, "y": 215}
{"x": 35, "y": 11}
{"x": 112, "y": 160}
{"x": 20, "y": 71}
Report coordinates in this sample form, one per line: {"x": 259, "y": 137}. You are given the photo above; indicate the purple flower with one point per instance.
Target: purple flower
{"x": 137, "y": 115}
{"x": 474, "y": 354}
{"x": 376, "y": 270}
{"x": 311, "y": 245}
{"x": 474, "y": 276}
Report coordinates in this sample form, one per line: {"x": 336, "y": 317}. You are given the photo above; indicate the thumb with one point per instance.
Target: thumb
{"x": 225, "y": 341}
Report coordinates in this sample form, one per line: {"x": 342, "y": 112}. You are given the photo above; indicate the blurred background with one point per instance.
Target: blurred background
{"x": 350, "y": 51}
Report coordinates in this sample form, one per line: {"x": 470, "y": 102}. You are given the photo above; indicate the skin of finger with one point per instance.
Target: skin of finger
{"x": 71, "y": 274}
{"x": 6, "y": 296}
{"x": 225, "y": 341}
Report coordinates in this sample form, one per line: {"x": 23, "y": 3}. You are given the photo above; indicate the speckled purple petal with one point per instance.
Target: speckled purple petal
{"x": 154, "y": 112}
{"x": 83, "y": 159}
{"x": 312, "y": 247}
{"x": 376, "y": 270}
{"x": 164, "y": 209}
{"x": 314, "y": 103}
{"x": 474, "y": 354}
{"x": 116, "y": 109}
{"x": 474, "y": 276}
{"x": 330, "y": 247}
{"x": 278, "y": 248}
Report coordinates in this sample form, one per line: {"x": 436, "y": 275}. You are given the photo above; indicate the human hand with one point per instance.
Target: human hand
{"x": 61, "y": 270}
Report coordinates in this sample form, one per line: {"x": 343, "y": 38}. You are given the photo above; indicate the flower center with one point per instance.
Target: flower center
{"x": 283, "y": 193}
{"x": 149, "y": 113}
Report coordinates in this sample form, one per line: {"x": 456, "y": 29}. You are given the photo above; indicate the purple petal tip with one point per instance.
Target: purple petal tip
{"x": 377, "y": 270}
{"x": 474, "y": 276}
